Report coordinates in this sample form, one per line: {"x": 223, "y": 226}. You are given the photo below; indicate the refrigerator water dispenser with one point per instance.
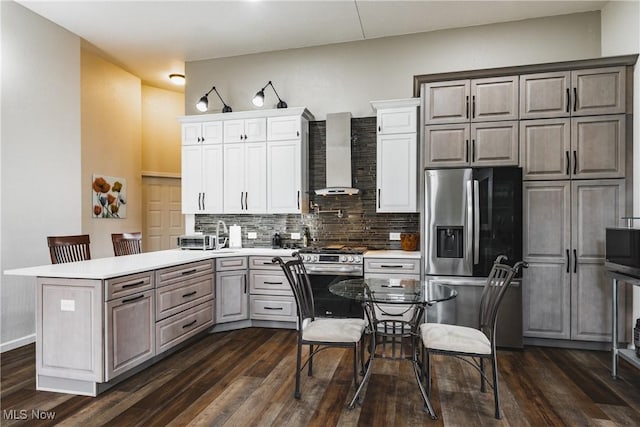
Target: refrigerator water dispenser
{"x": 450, "y": 242}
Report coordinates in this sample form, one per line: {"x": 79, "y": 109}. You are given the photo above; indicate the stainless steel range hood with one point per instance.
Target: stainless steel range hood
{"x": 338, "y": 160}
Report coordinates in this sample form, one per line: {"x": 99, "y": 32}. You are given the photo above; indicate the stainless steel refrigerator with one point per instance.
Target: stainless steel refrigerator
{"x": 470, "y": 217}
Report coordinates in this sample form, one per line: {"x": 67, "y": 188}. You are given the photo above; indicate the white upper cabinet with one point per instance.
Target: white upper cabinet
{"x": 245, "y": 130}
{"x": 396, "y": 155}
{"x": 283, "y": 128}
{"x": 202, "y": 133}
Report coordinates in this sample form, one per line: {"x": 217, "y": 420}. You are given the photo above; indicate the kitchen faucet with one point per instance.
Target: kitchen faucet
{"x": 224, "y": 230}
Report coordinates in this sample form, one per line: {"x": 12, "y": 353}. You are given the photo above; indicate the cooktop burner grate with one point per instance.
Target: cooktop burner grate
{"x": 334, "y": 249}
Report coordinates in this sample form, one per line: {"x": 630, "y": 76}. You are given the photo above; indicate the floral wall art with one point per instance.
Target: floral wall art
{"x": 109, "y": 197}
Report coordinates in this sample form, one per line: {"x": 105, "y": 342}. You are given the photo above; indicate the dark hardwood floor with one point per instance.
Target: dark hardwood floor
{"x": 245, "y": 378}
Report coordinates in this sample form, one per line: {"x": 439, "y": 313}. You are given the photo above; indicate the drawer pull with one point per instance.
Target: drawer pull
{"x": 184, "y": 273}
{"x": 190, "y": 324}
{"x": 132, "y": 285}
{"x": 273, "y": 283}
{"x": 126, "y": 301}
{"x": 267, "y": 263}
{"x": 273, "y": 308}
{"x": 390, "y": 266}
{"x": 190, "y": 294}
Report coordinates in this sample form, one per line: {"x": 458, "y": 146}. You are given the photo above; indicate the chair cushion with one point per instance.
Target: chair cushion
{"x": 333, "y": 330}
{"x": 461, "y": 339}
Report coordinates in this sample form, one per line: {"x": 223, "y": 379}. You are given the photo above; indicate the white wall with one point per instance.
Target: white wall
{"x": 621, "y": 36}
{"x": 345, "y": 77}
{"x": 40, "y": 161}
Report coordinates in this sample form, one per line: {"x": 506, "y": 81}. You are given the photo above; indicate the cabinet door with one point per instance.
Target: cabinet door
{"x": 446, "y": 145}
{"x": 545, "y": 149}
{"x": 545, "y": 95}
{"x": 446, "y": 102}
{"x": 494, "y": 144}
{"x": 255, "y": 199}
{"x": 494, "y": 98}
{"x": 283, "y": 128}
{"x": 598, "y": 147}
{"x": 130, "y": 332}
{"x": 191, "y": 133}
{"x": 546, "y": 247}
{"x": 212, "y": 132}
{"x": 284, "y": 176}
{"x": 233, "y": 193}
{"x": 255, "y": 130}
{"x": 397, "y": 173}
{"x": 233, "y": 130}
{"x": 212, "y": 178}
{"x": 191, "y": 179}
{"x": 596, "y": 205}
{"x": 232, "y": 296}
{"x": 396, "y": 120}
{"x": 598, "y": 91}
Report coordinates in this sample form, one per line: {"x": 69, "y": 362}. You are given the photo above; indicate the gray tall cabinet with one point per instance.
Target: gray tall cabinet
{"x": 568, "y": 126}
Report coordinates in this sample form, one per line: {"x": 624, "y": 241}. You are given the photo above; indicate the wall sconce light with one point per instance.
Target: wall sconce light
{"x": 177, "y": 79}
{"x": 258, "y": 100}
{"x": 203, "y": 104}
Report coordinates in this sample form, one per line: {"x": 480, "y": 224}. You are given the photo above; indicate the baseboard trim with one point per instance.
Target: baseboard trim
{"x": 11, "y": 345}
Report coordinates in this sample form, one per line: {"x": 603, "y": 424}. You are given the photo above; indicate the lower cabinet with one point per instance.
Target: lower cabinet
{"x": 175, "y": 329}
{"x": 392, "y": 268}
{"x": 566, "y": 294}
{"x": 271, "y": 295}
{"x": 232, "y": 289}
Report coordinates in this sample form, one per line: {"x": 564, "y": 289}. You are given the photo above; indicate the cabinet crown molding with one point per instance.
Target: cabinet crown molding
{"x": 280, "y": 112}
{"x": 395, "y": 103}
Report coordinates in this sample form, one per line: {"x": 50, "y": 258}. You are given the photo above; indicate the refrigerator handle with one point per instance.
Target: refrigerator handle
{"x": 476, "y": 222}
{"x": 468, "y": 247}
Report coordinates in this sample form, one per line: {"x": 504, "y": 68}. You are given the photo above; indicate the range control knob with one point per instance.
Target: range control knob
{"x": 350, "y": 258}
{"x": 343, "y": 258}
{"x": 307, "y": 258}
{"x": 358, "y": 259}
{"x": 315, "y": 258}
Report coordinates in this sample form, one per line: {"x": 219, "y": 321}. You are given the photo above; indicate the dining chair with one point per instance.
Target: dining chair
{"x": 470, "y": 344}
{"x": 317, "y": 332}
{"x": 126, "y": 243}
{"x": 68, "y": 248}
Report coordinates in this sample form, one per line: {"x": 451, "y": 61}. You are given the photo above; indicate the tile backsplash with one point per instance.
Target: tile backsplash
{"x": 360, "y": 225}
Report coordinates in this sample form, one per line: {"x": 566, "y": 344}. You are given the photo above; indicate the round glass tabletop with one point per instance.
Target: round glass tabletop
{"x": 393, "y": 291}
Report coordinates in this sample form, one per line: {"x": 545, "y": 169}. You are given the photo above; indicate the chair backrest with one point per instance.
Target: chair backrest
{"x": 499, "y": 279}
{"x": 126, "y": 243}
{"x": 300, "y": 284}
{"x": 68, "y": 248}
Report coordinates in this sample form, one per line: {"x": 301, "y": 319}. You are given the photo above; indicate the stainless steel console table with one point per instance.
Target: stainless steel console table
{"x": 626, "y": 354}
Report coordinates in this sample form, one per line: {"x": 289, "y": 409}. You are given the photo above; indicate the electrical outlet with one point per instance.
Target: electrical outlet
{"x": 295, "y": 236}
{"x": 252, "y": 235}
{"x": 394, "y": 236}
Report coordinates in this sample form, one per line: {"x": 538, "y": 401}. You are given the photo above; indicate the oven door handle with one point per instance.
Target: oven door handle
{"x": 333, "y": 270}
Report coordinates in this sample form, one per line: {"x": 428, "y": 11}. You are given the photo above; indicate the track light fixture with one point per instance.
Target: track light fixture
{"x": 203, "y": 104}
{"x": 258, "y": 100}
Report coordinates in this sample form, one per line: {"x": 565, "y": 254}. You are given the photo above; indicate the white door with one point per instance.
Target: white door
{"x": 283, "y": 128}
{"x": 191, "y": 133}
{"x": 397, "y": 173}
{"x": 234, "y": 178}
{"x": 283, "y": 176}
{"x": 255, "y": 171}
{"x": 233, "y": 130}
{"x": 191, "y": 179}
{"x": 212, "y": 133}
{"x": 255, "y": 130}
{"x": 212, "y": 178}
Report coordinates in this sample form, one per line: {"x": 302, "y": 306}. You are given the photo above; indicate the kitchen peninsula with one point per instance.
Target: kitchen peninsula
{"x": 100, "y": 321}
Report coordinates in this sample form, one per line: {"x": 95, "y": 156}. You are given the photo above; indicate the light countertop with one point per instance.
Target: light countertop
{"x": 392, "y": 254}
{"x": 106, "y": 268}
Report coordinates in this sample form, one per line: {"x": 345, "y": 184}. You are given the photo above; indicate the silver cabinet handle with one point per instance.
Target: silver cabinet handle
{"x": 476, "y": 222}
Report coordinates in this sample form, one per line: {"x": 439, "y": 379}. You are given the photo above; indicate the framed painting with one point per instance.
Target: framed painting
{"x": 109, "y": 198}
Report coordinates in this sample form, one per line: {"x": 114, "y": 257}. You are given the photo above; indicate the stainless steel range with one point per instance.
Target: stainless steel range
{"x": 328, "y": 265}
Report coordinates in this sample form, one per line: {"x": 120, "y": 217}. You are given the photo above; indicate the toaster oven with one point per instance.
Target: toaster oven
{"x": 622, "y": 250}
{"x": 198, "y": 242}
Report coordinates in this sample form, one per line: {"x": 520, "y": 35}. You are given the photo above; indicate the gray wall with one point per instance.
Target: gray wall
{"x": 40, "y": 163}
{"x": 345, "y": 77}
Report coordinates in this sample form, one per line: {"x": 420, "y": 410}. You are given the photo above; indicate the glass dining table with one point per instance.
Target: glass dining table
{"x": 394, "y": 308}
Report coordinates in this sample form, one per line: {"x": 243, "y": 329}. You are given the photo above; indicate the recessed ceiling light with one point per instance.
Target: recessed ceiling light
{"x": 177, "y": 79}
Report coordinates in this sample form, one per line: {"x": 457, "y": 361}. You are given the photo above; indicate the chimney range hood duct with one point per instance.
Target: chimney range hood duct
{"x": 338, "y": 160}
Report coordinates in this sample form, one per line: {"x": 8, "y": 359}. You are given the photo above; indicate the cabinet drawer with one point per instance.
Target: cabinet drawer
{"x": 171, "y": 275}
{"x": 175, "y": 329}
{"x": 269, "y": 283}
{"x": 276, "y": 308}
{"x": 126, "y": 285}
{"x": 233, "y": 263}
{"x": 392, "y": 265}
{"x": 264, "y": 262}
{"x": 175, "y": 298}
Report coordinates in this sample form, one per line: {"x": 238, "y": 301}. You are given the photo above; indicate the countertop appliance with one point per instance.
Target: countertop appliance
{"x": 622, "y": 250}
{"x": 328, "y": 265}
{"x": 470, "y": 217}
{"x": 197, "y": 241}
